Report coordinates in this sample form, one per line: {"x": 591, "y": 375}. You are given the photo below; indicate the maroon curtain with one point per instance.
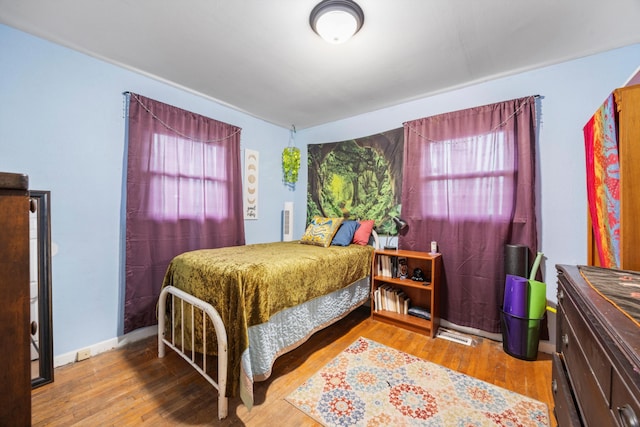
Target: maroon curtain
{"x": 468, "y": 183}
{"x": 184, "y": 192}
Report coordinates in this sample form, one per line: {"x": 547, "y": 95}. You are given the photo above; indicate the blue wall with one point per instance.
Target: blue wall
{"x": 571, "y": 92}
{"x": 61, "y": 122}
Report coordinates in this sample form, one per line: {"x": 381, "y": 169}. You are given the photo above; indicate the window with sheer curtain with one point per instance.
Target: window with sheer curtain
{"x": 181, "y": 188}
{"x": 469, "y": 184}
{"x": 470, "y": 178}
{"x": 183, "y": 193}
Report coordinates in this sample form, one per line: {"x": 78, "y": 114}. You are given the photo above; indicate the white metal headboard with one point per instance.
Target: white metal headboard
{"x": 376, "y": 239}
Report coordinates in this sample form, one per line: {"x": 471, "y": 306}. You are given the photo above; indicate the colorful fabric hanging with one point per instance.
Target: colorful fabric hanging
{"x": 603, "y": 182}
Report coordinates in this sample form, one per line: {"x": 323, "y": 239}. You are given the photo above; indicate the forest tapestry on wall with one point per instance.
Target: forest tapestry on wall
{"x": 357, "y": 179}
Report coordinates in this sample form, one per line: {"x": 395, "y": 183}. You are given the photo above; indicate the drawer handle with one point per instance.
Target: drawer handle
{"x": 554, "y": 386}
{"x": 565, "y": 340}
{"x": 560, "y": 295}
{"x": 628, "y": 416}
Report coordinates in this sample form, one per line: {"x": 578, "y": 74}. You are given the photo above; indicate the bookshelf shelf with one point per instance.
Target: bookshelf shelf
{"x": 389, "y": 291}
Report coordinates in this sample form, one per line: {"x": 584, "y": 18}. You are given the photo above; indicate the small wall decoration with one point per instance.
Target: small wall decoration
{"x": 251, "y": 158}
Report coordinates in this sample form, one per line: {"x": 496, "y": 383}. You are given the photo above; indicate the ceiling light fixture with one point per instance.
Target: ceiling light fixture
{"x": 336, "y": 21}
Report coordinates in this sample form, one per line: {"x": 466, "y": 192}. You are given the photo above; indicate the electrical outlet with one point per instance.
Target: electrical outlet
{"x": 83, "y": 354}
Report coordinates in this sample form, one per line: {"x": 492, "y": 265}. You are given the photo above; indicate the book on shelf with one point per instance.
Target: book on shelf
{"x": 386, "y": 290}
{"x": 400, "y": 299}
{"x": 380, "y": 297}
{"x": 407, "y": 305}
{"x": 394, "y": 266}
{"x": 388, "y": 298}
{"x": 387, "y": 266}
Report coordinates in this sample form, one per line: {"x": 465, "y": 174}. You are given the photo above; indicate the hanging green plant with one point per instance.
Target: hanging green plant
{"x": 291, "y": 164}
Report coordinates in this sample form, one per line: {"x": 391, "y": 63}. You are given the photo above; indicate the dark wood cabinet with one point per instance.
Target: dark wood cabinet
{"x": 596, "y": 367}
{"x": 15, "y": 375}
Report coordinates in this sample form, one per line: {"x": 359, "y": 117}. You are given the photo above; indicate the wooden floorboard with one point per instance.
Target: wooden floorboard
{"x": 132, "y": 386}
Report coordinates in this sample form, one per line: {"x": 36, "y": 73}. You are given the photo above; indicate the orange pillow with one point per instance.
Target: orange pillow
{"x": 362, "y": 234}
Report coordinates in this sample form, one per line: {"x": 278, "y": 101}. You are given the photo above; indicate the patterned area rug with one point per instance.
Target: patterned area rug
{"x": 370, "y": 384}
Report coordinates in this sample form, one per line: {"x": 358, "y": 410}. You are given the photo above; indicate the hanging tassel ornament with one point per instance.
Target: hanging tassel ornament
{"x": 291, "y": 160}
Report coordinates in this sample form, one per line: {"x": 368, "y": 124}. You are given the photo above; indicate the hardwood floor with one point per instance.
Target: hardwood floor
{"x": 131, "y": 386}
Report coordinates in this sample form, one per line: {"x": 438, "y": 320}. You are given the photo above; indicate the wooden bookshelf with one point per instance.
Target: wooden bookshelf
{"x": 389, "y": 290}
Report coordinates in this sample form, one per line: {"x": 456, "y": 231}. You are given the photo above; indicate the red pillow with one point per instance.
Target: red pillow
{"x": 362, "y": 234}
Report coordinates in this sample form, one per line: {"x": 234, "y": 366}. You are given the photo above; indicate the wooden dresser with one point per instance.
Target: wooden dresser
{"x": 15, "y": 371}
{"x": 596, "y": 367}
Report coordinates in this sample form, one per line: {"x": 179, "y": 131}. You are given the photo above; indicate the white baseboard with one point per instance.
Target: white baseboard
{"x": 95, "y": 349}
{"x": 546, "y": 347}
{"x": 142, "y": 333}
{"x": 472, "y": 331}
{"x": 543, "y": 346}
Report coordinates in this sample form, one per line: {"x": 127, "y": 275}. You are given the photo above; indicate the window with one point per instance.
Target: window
{"x": 188, "y": 179}
{"x": 469, "y": 178}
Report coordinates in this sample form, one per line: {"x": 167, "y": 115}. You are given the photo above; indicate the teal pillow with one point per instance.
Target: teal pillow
{"x": 345, "y": 233}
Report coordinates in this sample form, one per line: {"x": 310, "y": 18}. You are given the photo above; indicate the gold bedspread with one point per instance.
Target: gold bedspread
{"x": 247, "y": 284}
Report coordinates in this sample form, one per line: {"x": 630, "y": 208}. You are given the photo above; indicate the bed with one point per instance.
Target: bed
{"x": 254, "y": 303}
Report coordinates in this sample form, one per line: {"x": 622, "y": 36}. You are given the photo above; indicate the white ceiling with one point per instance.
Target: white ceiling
{"x": 261, "y": 56}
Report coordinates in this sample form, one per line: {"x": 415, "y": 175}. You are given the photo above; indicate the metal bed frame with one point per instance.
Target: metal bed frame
{"x": 221, "y": 336}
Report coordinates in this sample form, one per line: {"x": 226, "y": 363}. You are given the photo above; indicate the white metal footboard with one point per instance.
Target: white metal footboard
{"x": 181, "y": 297}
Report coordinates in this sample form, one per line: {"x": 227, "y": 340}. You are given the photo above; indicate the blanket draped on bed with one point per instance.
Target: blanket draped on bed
{"x": 248, "y": 284}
